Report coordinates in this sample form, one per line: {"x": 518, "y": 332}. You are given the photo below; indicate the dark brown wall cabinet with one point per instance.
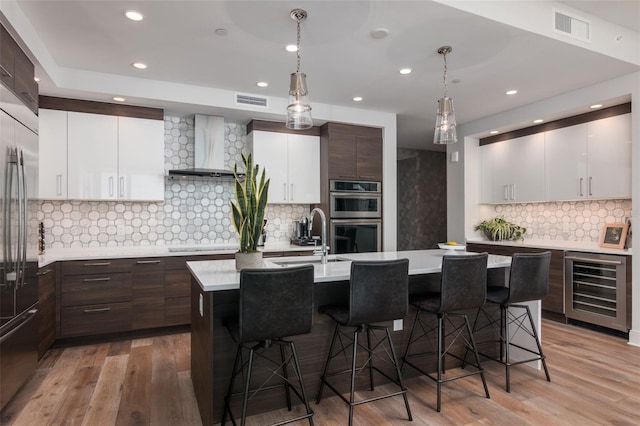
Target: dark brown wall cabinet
{"x": 554, "y": 301}
{"x": 17, "y": 71}
{"x": 353, "y": 152}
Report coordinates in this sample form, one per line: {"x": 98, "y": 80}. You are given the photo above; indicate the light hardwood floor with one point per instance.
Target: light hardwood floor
{"x": 595, "y": 381}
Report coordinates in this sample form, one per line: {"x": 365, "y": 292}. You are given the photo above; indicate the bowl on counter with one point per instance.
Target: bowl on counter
{"x": 445, "y": 246}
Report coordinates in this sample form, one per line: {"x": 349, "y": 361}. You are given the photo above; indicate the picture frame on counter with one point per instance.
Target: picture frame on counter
{"x": 614, "y": 235}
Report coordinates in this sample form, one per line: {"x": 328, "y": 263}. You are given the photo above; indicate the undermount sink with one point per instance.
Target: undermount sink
{"x": 315, "y": 260}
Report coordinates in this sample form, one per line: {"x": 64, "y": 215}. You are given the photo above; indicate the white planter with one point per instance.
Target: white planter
{"x": 248, "y": 260}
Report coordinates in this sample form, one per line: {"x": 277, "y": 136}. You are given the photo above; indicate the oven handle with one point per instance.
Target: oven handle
{"x": 357, "y": 221}
{"x": 356, "y": 194}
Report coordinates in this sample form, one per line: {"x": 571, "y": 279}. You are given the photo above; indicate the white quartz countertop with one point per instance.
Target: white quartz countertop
{"x": 87, "y": 253}
{"x": 217, "y": 275}
{"x": 586, "y": 247}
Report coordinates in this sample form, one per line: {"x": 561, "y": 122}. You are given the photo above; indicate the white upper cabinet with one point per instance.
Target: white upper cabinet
{"x": 92, "y": 156}
{"x": 566, "y": 162}
{"x": 140, "y": 159}
{"x": 590, "y": 161}
{"x": 292, "y": 162}
{"x": 609, "y": 157}
{"x": 513, "y": 170}
{"x": 53, "y": 152}
{"x": 100, "y": 157}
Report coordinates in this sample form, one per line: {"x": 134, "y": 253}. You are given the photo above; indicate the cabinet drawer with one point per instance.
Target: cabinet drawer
{"x": 96, "y": 288}
{"x": 95, "y": 319}
{"x": 98, "y": 266}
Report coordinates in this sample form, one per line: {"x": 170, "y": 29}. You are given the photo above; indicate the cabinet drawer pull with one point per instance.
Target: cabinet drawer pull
{"x": 4, "y": 72}
{"x": 89, "y": 311}
{"x": 44, "y": 272}
{"x": 98, "y": 264}
{"x": 88, "y": 280}
{"x": 147, "y": 262}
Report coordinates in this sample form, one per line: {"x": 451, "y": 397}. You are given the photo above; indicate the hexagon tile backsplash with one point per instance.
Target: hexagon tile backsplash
{"x": 193, "y": 212}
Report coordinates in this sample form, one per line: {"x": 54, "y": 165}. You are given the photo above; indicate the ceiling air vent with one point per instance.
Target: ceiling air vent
{"x": 572, "y": 26}
{"x": 252, "y": 100}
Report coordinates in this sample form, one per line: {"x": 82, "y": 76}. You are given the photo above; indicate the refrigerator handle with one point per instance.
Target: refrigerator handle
{"x": 25, "y": 216}
{"x": 10, "y": 267}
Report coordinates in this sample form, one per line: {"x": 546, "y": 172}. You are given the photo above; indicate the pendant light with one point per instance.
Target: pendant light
{"x": 299, "y": 108}
{"x": 445, "y": 131}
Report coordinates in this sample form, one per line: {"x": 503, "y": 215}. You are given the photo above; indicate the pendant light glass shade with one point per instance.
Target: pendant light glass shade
{"x": 299, "y": 108}
{"x": 445, "y": 131}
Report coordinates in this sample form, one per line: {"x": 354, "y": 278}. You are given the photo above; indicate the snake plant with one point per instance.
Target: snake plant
{"x": 248, "y": 209}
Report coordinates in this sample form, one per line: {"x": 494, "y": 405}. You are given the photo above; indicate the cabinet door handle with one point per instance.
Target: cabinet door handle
{"x": 513, "y": 192}
{"x": 88, "y": 280}
{"x": 506, "y": 192}
{"x": 284, "y": 188}
{"x": 4, "y": 72}
{"x": 291, "y": 195}
{"x": 147, "y": 262}
{"x": 581, "y": 185}
{"x": 121, "y": 186}
{"x": 45, "y": 272}
{"x": 98, "y": 264}
{"x": 58, "y": 184}
{"x": 590, "y": 179}
{"x": 89, "y": 311}
{"x": 111, "y": 186}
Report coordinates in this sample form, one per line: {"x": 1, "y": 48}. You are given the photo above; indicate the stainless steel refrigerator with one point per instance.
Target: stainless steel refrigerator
{"x": 18, "y": 249}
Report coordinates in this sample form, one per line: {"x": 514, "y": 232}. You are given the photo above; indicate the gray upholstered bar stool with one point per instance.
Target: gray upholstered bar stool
{"x": 378, "y": 292}
{"x": 274, "y": 304}
{"x": 528, "y": 281}
{"x": 463, "y": 286}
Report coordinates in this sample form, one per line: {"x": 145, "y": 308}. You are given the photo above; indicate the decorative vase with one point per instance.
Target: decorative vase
{"x": 248, "y": 260}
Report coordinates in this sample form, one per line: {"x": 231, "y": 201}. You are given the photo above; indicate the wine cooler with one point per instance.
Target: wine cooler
{"x": 596, "y": 289}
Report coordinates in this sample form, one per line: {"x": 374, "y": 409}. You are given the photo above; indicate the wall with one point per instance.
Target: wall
{"x": 569, "y": 221}
{"x": 422, "y": 199}
{"x": 194, "y": 211}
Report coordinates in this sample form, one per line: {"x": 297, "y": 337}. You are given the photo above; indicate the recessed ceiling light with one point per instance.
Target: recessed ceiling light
{"x": 379, "y": 33}
{"x": 291, "y": 48}
{"x": 140, "y": 65}
{"x": 262, "y": 84}
{"x": 596, "y": 106}
{"x": 494, "y": 132}
{"x": 405, "y": 71}
{"x": 119, "y": 99}
{"x": 221, "y": 32}
{"x": 36, "y": 79}
{"x": 357, "y": 99}
{"x": 539, "y": 120}
{"x": 511, "y": 92}
{"x": 134, "y": 15}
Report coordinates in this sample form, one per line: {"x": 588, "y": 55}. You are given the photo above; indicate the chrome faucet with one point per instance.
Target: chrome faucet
{"x": 324, "y": 231}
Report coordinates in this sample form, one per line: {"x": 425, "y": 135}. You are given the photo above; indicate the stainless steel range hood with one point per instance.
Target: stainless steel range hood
{"x": 209, "y": 150}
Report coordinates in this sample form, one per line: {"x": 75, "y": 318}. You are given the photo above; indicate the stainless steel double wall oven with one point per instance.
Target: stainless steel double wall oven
{"x": 355, "y": 211}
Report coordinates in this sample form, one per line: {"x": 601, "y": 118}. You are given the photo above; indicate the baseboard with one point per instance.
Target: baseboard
{"x": 634, "y": 337}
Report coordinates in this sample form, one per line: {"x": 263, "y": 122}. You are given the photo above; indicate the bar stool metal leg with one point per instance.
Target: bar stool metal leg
{"x": 326, "y": 363}
{"x": 370, "y": 353}
{"x": 287, "y": 392}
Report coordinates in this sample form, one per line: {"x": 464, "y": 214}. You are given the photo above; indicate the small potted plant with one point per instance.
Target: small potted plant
{"x": 248, "y": 210}
{"x": 498, "y": 229}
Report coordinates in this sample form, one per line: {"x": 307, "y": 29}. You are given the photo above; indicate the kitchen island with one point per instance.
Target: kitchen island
{"x": 214, "y": 297}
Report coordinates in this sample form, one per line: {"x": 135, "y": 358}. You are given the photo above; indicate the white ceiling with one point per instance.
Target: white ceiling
{"x": 177, "y": 41}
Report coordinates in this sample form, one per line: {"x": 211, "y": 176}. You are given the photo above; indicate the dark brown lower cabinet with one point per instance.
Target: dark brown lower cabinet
{"x": 46, "y": 307}
{"x": 554, "y": 301}
{"x": 96, "y": 319}
{"x": 148, "y": 280}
